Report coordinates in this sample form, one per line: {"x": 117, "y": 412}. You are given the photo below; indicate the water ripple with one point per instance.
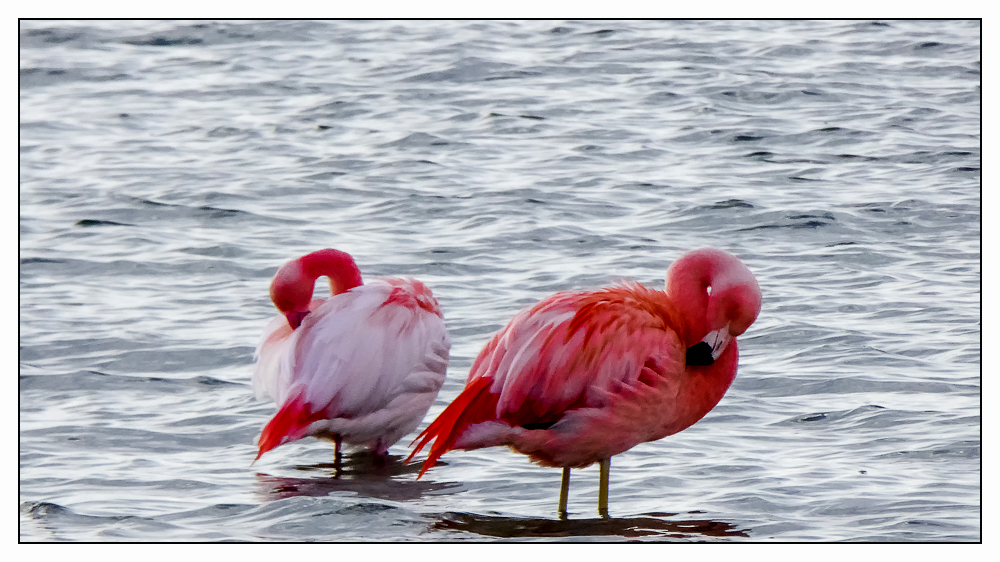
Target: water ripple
{"x": 168, "y": 168}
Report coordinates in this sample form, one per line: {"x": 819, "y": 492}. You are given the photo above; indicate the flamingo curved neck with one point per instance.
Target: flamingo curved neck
{"x": 292, "y": 287}
{"x": 337, "y": 266}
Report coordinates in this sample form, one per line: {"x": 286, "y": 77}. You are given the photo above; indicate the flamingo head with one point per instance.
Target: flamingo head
{"x": 292, "y": 286}
{"x": 718, "y": 297}
{"x": 291, "y": 291}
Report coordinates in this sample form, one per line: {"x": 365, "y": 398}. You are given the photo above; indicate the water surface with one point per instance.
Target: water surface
{"x": 168, "y": 168}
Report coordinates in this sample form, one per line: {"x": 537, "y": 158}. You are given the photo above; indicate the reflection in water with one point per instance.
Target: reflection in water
{"x": 362, "y": 473}
{"x": 370, "y": 476}
{"x": 650, "y": 525}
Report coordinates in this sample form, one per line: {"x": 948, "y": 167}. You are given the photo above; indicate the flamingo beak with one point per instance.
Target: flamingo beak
{"x": 718, "y": 340}
{"x": 295, "y": 318}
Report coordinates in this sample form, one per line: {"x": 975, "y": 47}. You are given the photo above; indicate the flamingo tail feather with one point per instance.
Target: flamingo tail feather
{"x": 474, "y": 405}
{"x": 287, "y": 425}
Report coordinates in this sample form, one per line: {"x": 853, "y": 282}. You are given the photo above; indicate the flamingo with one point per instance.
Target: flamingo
{"x": 362, "y": 366}
{"x": 581, "y": 377}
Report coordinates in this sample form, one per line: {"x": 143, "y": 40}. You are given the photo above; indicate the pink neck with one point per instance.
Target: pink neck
{"x": 337, "y": 266}
{"x": 292, "y": 287}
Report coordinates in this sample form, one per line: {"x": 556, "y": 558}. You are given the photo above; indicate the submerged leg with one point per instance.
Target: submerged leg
{"x": 564, "y": 493}
{"x": 336, "y": 453}
{"x": 380, "y": 454}
{"x": 602, "y": 491}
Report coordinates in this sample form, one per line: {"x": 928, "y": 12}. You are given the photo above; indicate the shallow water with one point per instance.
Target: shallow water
{"x": 168, "y": 168}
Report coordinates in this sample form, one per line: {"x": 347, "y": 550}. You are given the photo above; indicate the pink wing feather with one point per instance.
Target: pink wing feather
{"x": 570, "y": 352}
{"x": 576, "y": 349}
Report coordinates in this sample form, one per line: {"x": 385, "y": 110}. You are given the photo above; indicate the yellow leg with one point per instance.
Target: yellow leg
{"x": 564, "y": 493}
{"x": 602, "y": 491}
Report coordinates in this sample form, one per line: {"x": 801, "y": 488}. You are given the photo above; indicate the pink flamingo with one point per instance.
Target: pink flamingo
{"x": 581, "y": 377}
{"x": 362, "y": 366}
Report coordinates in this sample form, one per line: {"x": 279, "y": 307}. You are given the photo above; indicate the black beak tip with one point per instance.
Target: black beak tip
{"x": 700, "y": 355}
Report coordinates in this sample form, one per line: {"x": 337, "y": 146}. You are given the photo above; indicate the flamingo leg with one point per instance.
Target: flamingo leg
{"x": 564, "y": 493}
{"x": 602, "y": 491}
{"x": 336, "y": 454}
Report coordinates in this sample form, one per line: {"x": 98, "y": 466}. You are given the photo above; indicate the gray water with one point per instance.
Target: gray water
{"x": 168, "y": 168}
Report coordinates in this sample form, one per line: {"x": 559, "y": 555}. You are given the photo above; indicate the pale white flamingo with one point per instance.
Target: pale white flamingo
{"x": 362, "y": 366}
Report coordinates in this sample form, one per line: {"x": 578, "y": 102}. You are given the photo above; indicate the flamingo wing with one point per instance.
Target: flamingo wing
{"x": 572, "y": 351}
{"x": 577, "y": 350}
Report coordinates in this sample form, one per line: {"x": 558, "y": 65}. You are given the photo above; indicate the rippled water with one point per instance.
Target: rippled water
{"x": 168, "y": 168}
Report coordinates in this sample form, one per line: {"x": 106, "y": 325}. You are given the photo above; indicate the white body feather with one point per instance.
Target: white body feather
{"x": 371, "y": 358}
